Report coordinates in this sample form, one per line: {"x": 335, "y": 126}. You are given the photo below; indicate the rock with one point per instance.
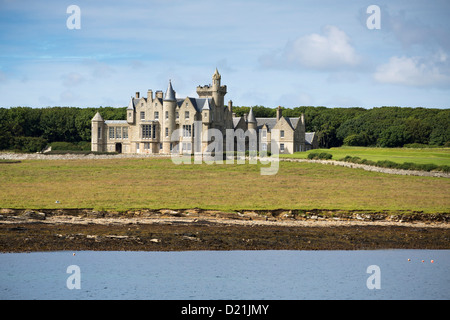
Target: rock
{"x": 7, "y": 211}
{"x": 155, "y": 240}
{"x": 34, "y": 215}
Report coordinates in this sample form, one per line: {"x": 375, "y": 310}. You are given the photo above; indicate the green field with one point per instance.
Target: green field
{"x": 122, "y": 184}
{"x": 438, "y": 156}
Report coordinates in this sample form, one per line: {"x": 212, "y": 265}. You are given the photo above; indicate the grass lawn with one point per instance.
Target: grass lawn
{"x": 121, "y": 184}
{"x": 438, "y": 156}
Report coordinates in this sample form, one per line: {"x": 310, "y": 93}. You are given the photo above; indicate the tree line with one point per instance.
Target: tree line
{"x": 380, "y": 127}
{"x": 31, "y": 129}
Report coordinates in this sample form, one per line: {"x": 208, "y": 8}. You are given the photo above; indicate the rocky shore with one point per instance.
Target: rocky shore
{"x": 195, "y": 229}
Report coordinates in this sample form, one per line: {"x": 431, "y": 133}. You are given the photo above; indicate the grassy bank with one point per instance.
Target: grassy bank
{"x": 122, "y": 184}
{"x": 437, "y": 156}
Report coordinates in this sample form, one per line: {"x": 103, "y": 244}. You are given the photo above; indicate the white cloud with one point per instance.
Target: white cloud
{"x": 415, "y": 71}
{"x": 331, "y": 51}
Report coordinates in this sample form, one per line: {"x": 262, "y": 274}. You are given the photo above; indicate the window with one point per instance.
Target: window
{"x": 282, "y": 133}
{"x": 167, "y": 132}
{"x": 154, "y": 131}
{"x": 282, "y": 147}
{"x": 137, "y": 147}
{"x": 167, "y": 115}
{"x": 129, "y": 114}
{"x": 187, "y": 131}
{"x": 142, "y": 115}
{"x": 99, "y": 132}
{"x": 264, "y": 146}
{"x": 186, "y": 146}
{"x": 146, "y": 131}
{"x": 146, "y": 146}
{"x": 125, "y": 132}
{"x": 111, "y": 133}
{"x": 177, "y": 115}
{"x": 186, "y": 115}
{"x": 264, "y": 133}
{"x": 160, "y": 146}
{"x": 156, "y": 115}
{"x": 119, "y": 133}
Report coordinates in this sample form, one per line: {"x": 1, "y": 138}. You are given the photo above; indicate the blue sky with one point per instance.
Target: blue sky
{"x": 289, "y": 53}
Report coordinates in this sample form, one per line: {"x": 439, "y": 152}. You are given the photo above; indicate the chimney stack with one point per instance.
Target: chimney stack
{"x": 278, "y": 113}
{"x": 137, "y": 95}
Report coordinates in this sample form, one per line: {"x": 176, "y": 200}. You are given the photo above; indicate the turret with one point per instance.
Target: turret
{"x": 131, "y": 112}
{"x": 251, "y": 120}
{"x": 168, "y": 117}
{"x": 98, "y": 133}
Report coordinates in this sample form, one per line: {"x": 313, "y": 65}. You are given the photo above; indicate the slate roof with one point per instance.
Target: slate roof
{"x": 198, "y": 103}
{"x": 116, "y": 122}
{"x": 309, "y": 136}
{"x": 251, "y": 117}
{"x": 134, "y": 102}
{"x": 170, "y": 94}
{"x": 271, "y": 122}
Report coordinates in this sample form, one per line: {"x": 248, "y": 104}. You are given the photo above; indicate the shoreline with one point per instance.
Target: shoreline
{"x": 170, "y": 230}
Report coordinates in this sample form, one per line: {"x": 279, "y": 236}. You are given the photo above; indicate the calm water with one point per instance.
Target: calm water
{"x": 243, "y": 275}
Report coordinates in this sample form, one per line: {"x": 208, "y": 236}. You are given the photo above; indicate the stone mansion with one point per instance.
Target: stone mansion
{"x": 152, "y": 120}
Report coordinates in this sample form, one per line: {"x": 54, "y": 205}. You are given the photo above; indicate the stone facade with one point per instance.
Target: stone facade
{"x": 163, "y": 123}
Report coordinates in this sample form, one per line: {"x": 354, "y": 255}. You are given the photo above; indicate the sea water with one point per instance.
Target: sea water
{"x": 236, "y": 275}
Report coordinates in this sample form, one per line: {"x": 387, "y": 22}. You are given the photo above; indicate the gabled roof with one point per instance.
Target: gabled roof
{"x": 236, "y": 121}
{"x": 292, "y": 122}
{"x": 206, "y": 105}
{"x": 135, "y": 102}
{"x": 198, "y": 103}
{"x": 271, "y": 122}
{"x": 309, "y": 137}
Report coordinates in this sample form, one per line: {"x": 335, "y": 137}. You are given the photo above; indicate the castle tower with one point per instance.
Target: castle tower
{"x": 218, "y": 96}
{"x": 98, "y": 140}
{"x": 168, "y": 117}
{"x": 217, "y": 92}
